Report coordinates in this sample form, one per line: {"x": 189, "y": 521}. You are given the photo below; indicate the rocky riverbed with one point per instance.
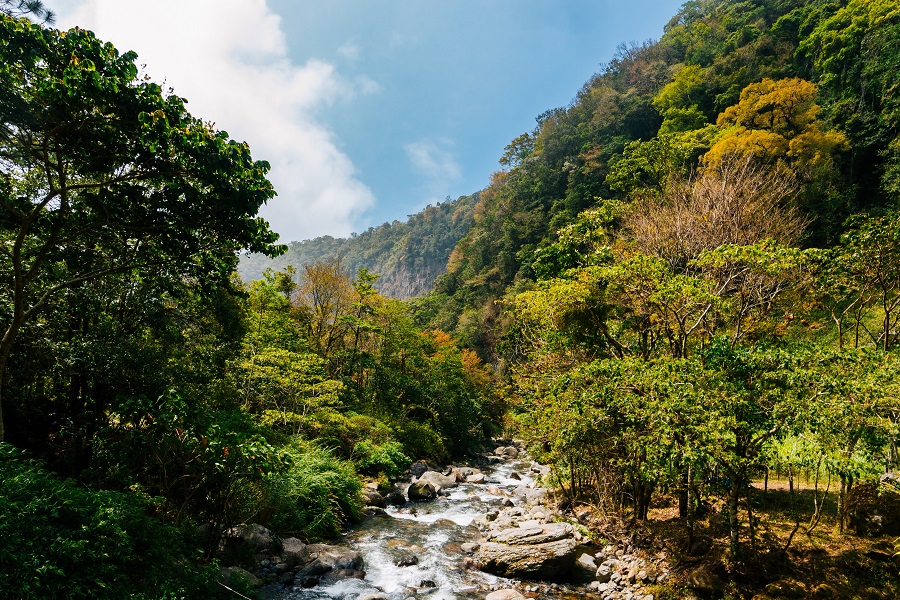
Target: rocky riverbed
{"x": 479, "y": 532}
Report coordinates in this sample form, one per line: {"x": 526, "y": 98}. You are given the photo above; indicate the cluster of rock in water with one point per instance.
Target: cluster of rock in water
{"x": 524, "y": 540}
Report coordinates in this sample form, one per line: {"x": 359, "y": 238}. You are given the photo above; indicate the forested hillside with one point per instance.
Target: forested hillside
{"x": 807, "y": 87}
{"x": 689, "y": 279}
{"x": 408, "y": 256}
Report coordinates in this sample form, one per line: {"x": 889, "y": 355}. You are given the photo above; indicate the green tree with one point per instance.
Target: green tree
{"x": 19, "y": 8}
{"x": 102, "y": 173}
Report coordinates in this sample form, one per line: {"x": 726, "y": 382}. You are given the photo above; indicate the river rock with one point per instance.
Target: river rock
{"x": 468, "y": 471}
{"x": 585, "y": 568}
{"x": 407, "y": 561}
{"x": 438, "y": 480}
{"x": 337, "y": 557}
{"x": 294, "y": 552}
{"x": 418, "y": 468}
{"x": 236, "y": 576}
{"x": 373, "y": 498}
{"x": 508, "y": 594}
{"x": 395, "y": 498}
{"x": 475, "y": 478}
{"x": 421, "y": 490}
{"x": 546, "y": 552}
{"x": 253, "y": 537}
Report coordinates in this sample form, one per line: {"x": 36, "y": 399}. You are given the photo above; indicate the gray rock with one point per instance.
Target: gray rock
{"x": 233, "y": 576}
{"x": 475, "y": 478}
{"x": 418, "y": 468}
{"x": 510, "y": 452}
{"x": 550, "y": 532}
{"x": 373, "y": 498}
{"x": 344, "y": 574}
{"x": 421, "y": 490}
{"x": 508, "y": 594}
{"x": 438, "y": 480}
{"x": 470, "y": 547}
{"x": 338, "y": 557}
{"x": 407, "y": 561}
{"x": 255, "y": 537}
{"x": 395, "y": 498}
{"x": 585, "y": 568}
{"x": 546, "y": 560}
{"x": 294, "y": 552}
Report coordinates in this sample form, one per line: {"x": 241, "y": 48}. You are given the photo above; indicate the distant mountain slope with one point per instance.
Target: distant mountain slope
{"x": 408, "y": 256}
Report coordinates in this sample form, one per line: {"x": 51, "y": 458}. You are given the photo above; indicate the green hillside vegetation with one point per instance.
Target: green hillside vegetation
{"x": 688, "y": 280}
{"x": 408, "y": 256}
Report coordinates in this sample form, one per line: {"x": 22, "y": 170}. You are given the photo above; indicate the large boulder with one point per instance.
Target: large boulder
{"x": 874, "y": 510}
{"x": 539, "y": 552}
{"x": 236, "y": 576}
{"x": 421, "y": 490}
{"x": 294, "y": 552}
{"x": 337, "y": 562}
{"x": 251, "y": 538}
{"x": 338, "y": 557}
{"x": 395, "y": 497}
{"x": 438, "y": 480}
{"x": 418, "y": 468}
{"x": 373, "y": 498}
{"x": 507, "y": 594}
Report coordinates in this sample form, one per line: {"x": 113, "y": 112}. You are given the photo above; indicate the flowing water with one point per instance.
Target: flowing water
{"x": 432, "y": 532}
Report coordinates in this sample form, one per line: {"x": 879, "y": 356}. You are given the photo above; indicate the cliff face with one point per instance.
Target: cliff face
{"x": 408, "y": 256}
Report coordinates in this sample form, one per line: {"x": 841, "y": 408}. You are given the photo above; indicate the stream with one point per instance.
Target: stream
{"x": 432, "y": 532}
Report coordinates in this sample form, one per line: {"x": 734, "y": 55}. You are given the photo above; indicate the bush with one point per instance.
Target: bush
{"x": 342, "y": 431}
{"x": 387, "y": 458}
{"x": 61, "y": 540}
{"x": 421, "y": 441}
{"x": 315, "y": 496}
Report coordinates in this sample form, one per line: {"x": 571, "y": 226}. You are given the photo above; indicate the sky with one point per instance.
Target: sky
{"x": 370, "y": 110}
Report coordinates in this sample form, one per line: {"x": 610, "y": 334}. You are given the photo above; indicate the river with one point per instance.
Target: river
{"x": 433, "y": 532}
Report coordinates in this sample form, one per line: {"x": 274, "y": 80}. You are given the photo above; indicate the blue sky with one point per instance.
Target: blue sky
{"x": 369, "y": 110}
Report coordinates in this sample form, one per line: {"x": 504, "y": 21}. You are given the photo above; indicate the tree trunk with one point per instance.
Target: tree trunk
{"x": 734, "y": 525}
{"x": 689, "y": 512}
{"x": 5, "y": 347}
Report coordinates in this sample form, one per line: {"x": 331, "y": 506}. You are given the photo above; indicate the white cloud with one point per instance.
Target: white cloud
{"x": 350, "y": 51}
{"x": 229, "y": 58}
{"x": 436, "y": 163}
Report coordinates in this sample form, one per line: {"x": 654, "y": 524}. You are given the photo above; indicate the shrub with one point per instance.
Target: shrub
{"x": 421, "y": 441}
{"x": 387, "y": 458}
{"x": 315, "y": 496}
{"x": 62, "y": 540}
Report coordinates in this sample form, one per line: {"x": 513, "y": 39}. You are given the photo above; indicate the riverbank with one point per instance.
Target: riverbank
{"x": 476, "y": 531}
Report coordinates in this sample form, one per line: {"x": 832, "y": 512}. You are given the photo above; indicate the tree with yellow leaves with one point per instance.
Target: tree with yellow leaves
{"x": 777, "y": 122}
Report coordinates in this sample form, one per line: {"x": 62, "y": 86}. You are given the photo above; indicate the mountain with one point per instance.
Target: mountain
{"x": 657, "y": 108}
{"x": 407, "y": 256}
